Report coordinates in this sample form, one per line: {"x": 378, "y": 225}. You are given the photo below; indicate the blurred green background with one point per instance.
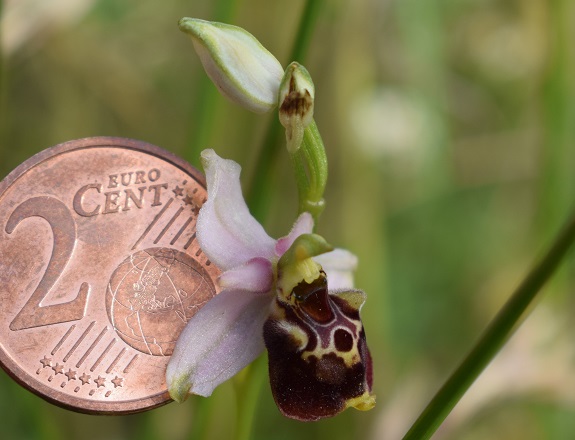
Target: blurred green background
{"x": 450, "y": 130}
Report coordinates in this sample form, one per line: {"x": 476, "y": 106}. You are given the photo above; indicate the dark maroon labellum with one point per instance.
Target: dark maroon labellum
{"x": 319, "y": 362}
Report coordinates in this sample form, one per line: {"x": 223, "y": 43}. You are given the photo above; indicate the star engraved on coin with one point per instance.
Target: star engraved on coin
{"x": 100, "y": 272}
{"x": 188, "y": 200}
{"x": 178, "y": 192}
{"x": 85, "y": 378}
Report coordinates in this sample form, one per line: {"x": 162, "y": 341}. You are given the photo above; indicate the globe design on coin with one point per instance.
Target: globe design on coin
{"x": 152, "y": 295}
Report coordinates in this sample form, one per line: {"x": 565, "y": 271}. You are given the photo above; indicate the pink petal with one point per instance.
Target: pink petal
{"x": 303, "y": 225}
{"x": 219, "y": 341}
{"x": 227, "y": 232}
{"x": 339, "y": 266}
{"x": 256, "y": 276}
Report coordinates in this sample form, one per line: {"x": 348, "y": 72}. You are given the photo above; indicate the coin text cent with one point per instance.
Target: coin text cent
{"x": 100, "y": 270}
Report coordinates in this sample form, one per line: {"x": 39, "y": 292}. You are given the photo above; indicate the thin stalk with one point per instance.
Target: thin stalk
{"x": 310, "y": 167}
{"x": 256, "y": 195}
{"x": 301, "y": 178}
{"x": 558, "y": 154}
{"x": 205, "y": 107}
{"x": 305, "y": 30}
{"x": 248, "y": 389}
{"x": 494, "y": 337}
{"x": 257, "y": 198}
{"x": 3, "y": 101}
{"x": 314, "y": 151}
{"x": 203, "y": 408}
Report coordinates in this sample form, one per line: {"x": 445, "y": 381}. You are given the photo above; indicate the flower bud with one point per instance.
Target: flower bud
{"x": 242, "y": 69}
{"x": 295, "y": 102}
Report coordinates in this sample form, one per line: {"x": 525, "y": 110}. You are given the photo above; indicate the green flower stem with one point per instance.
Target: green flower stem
{"x": 4, "y": 114}
{"x": 305, "y": 30}
{"x": 558, "y": 88}
{"x": 316, "y": 159}
{"x": 314, "y": 152}
{"x": 494, "y": 337}
{"x": 301, "y": 178}
{"x": 258, "y": 191}
{"x": 256, "y": 195}
{"x": 248, "y": 387}
{"x": 207, "y": 97}
{"x": 311, "y": 183}
{"x": 203, "y": 408}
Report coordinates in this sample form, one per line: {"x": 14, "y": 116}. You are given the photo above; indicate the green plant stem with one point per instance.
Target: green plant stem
{"x": 257, "y": 194}
{"x": 314, "y": 152}
{"x": 205, "y": 107}
{"x": 310, "y": 184}
{"x": 305, "y": 30}
{"x": 558, "y": 88}
{"x": 494, "y": 337}
{"x": 202, "y": 409}
{"x": 3, "y": 101}
{"x": 257, "y": 197}
{"x": 248, "y": 389}
{"x": 300, "y": 177}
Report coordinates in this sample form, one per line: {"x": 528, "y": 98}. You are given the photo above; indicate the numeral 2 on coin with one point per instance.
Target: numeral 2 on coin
{"x": 58, "y": 216}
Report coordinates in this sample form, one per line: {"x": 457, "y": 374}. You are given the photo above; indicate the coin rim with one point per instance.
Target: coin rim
{"x": 7, "y": 363}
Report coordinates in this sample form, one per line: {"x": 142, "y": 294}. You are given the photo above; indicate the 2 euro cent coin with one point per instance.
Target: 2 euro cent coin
{"x": 100, "y": 270}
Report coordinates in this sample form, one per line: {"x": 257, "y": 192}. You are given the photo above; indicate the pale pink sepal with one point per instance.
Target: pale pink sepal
{"x": 226, "y": 231}
{"x": 256, "y": 276}
{"x": 218, "y": 342}
{"x": 303, "y": 225}
{"x": 339, "y": 266}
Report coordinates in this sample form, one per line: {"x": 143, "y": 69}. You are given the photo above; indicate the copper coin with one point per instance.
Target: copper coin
{"x": 100, "y": 270}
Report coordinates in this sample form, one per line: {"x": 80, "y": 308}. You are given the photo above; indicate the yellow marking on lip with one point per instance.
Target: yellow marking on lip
{"x": 350, "y": 358}
{"x": 299, "y": 336}
{"x": 365, "y": 402}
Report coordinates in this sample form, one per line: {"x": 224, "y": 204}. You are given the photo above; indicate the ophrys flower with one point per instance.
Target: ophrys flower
{"x": 275, "y": 295}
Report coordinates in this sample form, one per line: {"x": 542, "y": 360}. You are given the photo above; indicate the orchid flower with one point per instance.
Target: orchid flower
{"x": 275, "y": 294}
{"x": 293, "y": 296}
